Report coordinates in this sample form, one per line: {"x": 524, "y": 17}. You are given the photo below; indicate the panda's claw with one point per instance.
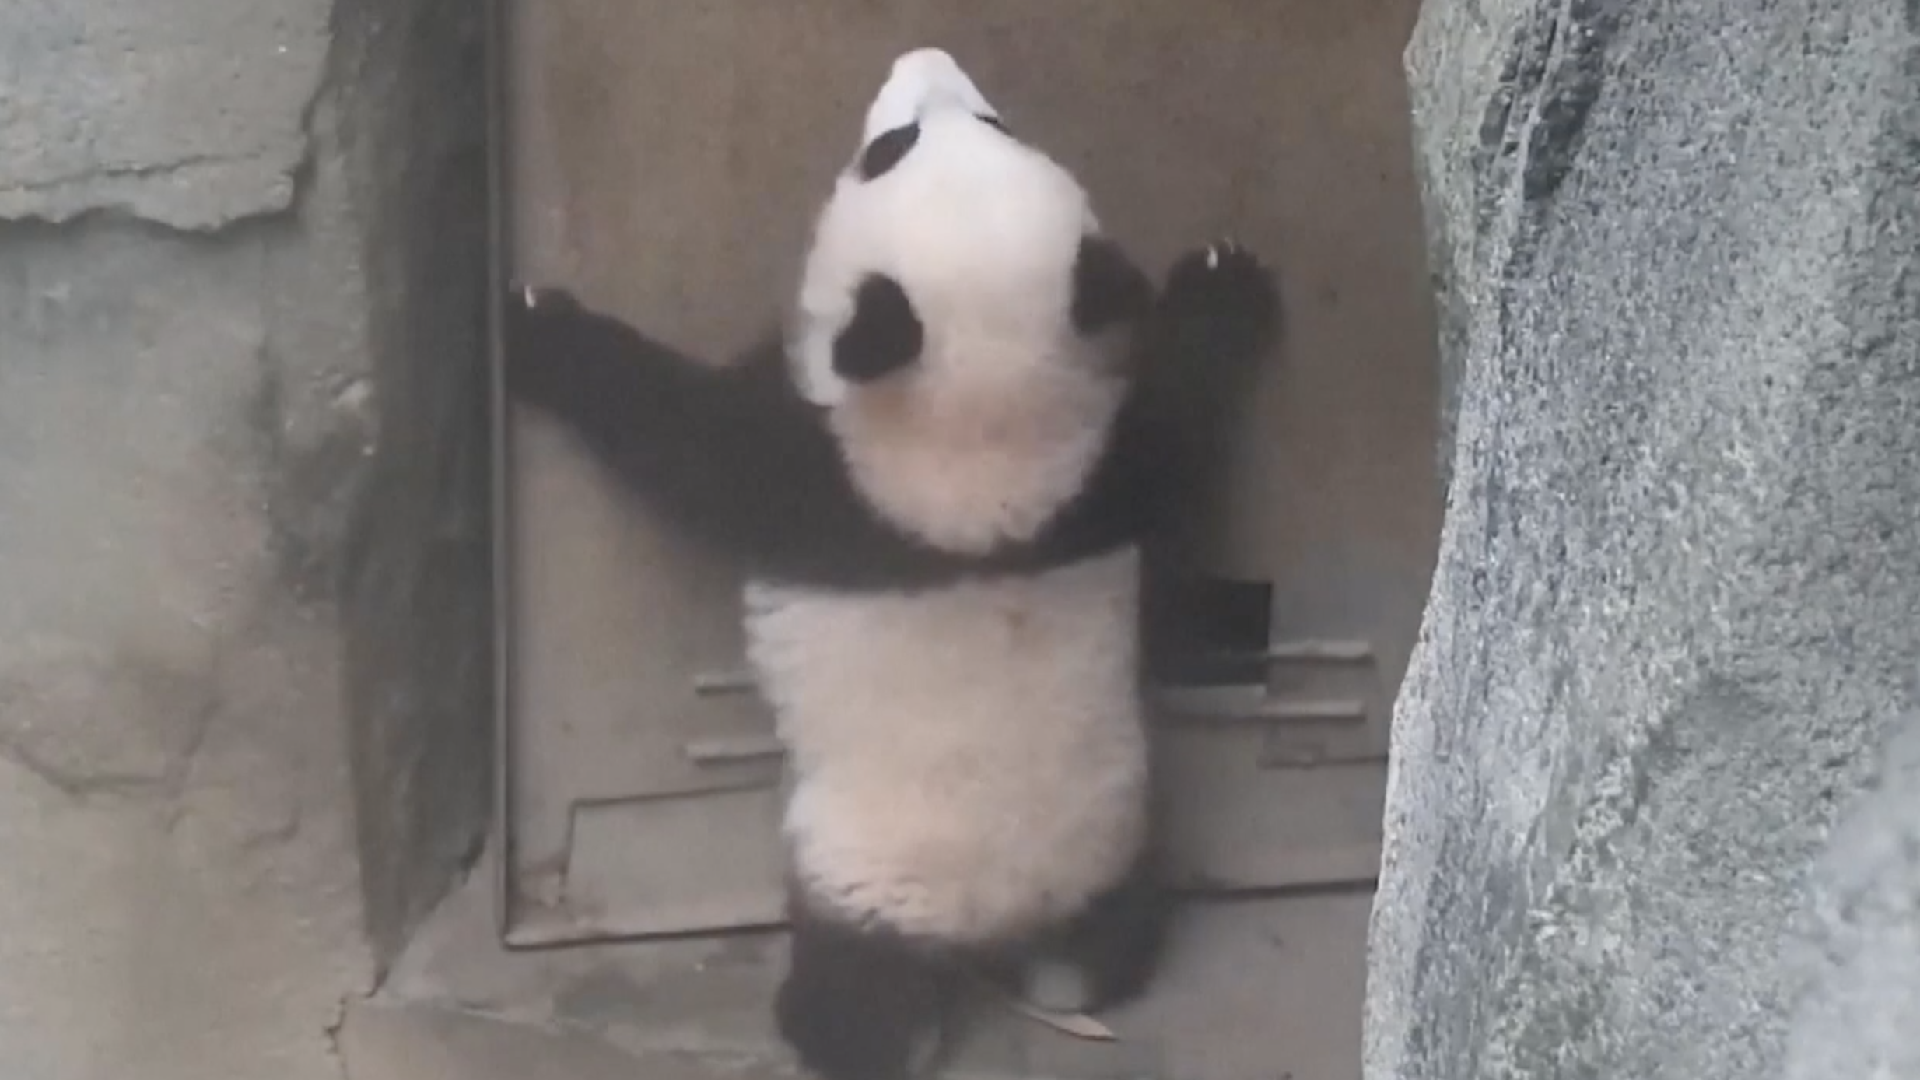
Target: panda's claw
{"x": 537, "y": 321}
{"x": 1221, "y": 272}
{"x": 1227, "y": 250}
{"x": 1222, "y": 298}
{"x": 545, "y": 299}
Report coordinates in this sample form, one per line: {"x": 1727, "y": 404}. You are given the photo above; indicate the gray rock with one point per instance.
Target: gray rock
{"x": 1678, "y": 249}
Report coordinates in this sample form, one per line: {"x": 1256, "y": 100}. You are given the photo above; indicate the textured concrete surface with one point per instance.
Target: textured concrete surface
{"x": 190, "y": 113}
{"x": 180, "y": 887}
{"x": 1254, "y": 990}
{"x": 380, "y": 1042}
{"x": 190, "y": 414}
{"x": 1673, "y": 621}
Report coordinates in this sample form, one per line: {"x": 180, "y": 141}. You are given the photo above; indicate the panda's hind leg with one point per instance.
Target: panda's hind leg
{"x": 1107, "y": 954}
{"x": 861, "y": 1003}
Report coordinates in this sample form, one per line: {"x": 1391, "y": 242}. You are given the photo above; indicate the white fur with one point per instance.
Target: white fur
{"x": 969, "y": 762}
{"x": 969, "y": 465}
{"x": 1004, "y": 413}
{"x": 918, "y": 82}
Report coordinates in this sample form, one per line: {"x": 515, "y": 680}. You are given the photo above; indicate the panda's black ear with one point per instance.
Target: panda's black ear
{"x": 1108, "y": 288}
{"x": 884, "y": 334}
{"x": 888, "y": 150}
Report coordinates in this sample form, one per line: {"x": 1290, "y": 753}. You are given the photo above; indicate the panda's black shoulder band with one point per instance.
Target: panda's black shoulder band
{"x": 1108, "y": 288}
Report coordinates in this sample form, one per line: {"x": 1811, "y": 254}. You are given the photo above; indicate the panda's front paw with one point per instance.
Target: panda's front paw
{"x": 1222, "y": 298}
{"x": 535, "y": 317}
{"x": 540, "y": 325}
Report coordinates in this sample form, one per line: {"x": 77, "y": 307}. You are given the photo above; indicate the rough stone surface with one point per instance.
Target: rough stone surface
{"x": 202, "y": 310}
{"x": 1674, "y": 616}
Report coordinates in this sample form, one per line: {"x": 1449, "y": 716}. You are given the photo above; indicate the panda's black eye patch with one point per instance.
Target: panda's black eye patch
{"x": 884, "y": 334}
{"x": 887, "y": 150}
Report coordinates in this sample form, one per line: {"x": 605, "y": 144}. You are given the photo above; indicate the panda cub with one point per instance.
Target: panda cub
{"x": 943, "y": 483}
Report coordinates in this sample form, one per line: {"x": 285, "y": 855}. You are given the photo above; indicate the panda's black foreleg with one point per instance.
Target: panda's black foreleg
{"x": 1213, "y": 322}
{"x": 861, "y": 1003}
{"x": 1106, "y": 955}
{"x": 674, "y": 429}
{"x": 726, "y": 451}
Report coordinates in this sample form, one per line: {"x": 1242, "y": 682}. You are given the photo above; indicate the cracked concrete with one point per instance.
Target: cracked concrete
{"x": 188, "y": 113}
{"x": 207, "y": 929}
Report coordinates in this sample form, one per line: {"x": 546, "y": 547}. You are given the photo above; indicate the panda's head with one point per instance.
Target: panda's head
{"x": 961, "y": 318}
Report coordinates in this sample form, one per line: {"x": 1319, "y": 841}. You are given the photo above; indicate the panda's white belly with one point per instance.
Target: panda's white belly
{"x": 969, "y": 762}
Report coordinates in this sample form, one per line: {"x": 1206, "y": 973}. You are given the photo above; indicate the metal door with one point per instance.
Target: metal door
{"x": 664, "y": 159}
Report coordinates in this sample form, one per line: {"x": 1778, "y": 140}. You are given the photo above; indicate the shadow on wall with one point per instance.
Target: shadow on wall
{"x": 417, "y": 574}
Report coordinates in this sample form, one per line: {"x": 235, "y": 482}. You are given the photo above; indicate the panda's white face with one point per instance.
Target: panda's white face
{"x": 935, "y": 320}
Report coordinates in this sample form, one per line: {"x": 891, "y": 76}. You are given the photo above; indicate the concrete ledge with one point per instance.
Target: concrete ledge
{"x": 415, "y": 1042}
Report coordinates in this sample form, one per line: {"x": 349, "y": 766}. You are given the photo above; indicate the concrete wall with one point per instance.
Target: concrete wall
{"x": 231, "y": 394}
{"x": 1674, "y": 625}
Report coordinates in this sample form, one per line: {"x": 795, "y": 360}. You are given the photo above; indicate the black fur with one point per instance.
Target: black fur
{"x": 887, "y": 150}
{"x": 1117, "y": 941}
{"x": 1108, "y": 289}
{"x": 884, "y": 335}
{"x": 1217, "y": 311}
{"x": 858, "y": 1002}
{"x": 1219, "y": 308}
{"x": 855, "y": 1003}
{"x": 739, "y": 458}
{"x": 736, "y": 455}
